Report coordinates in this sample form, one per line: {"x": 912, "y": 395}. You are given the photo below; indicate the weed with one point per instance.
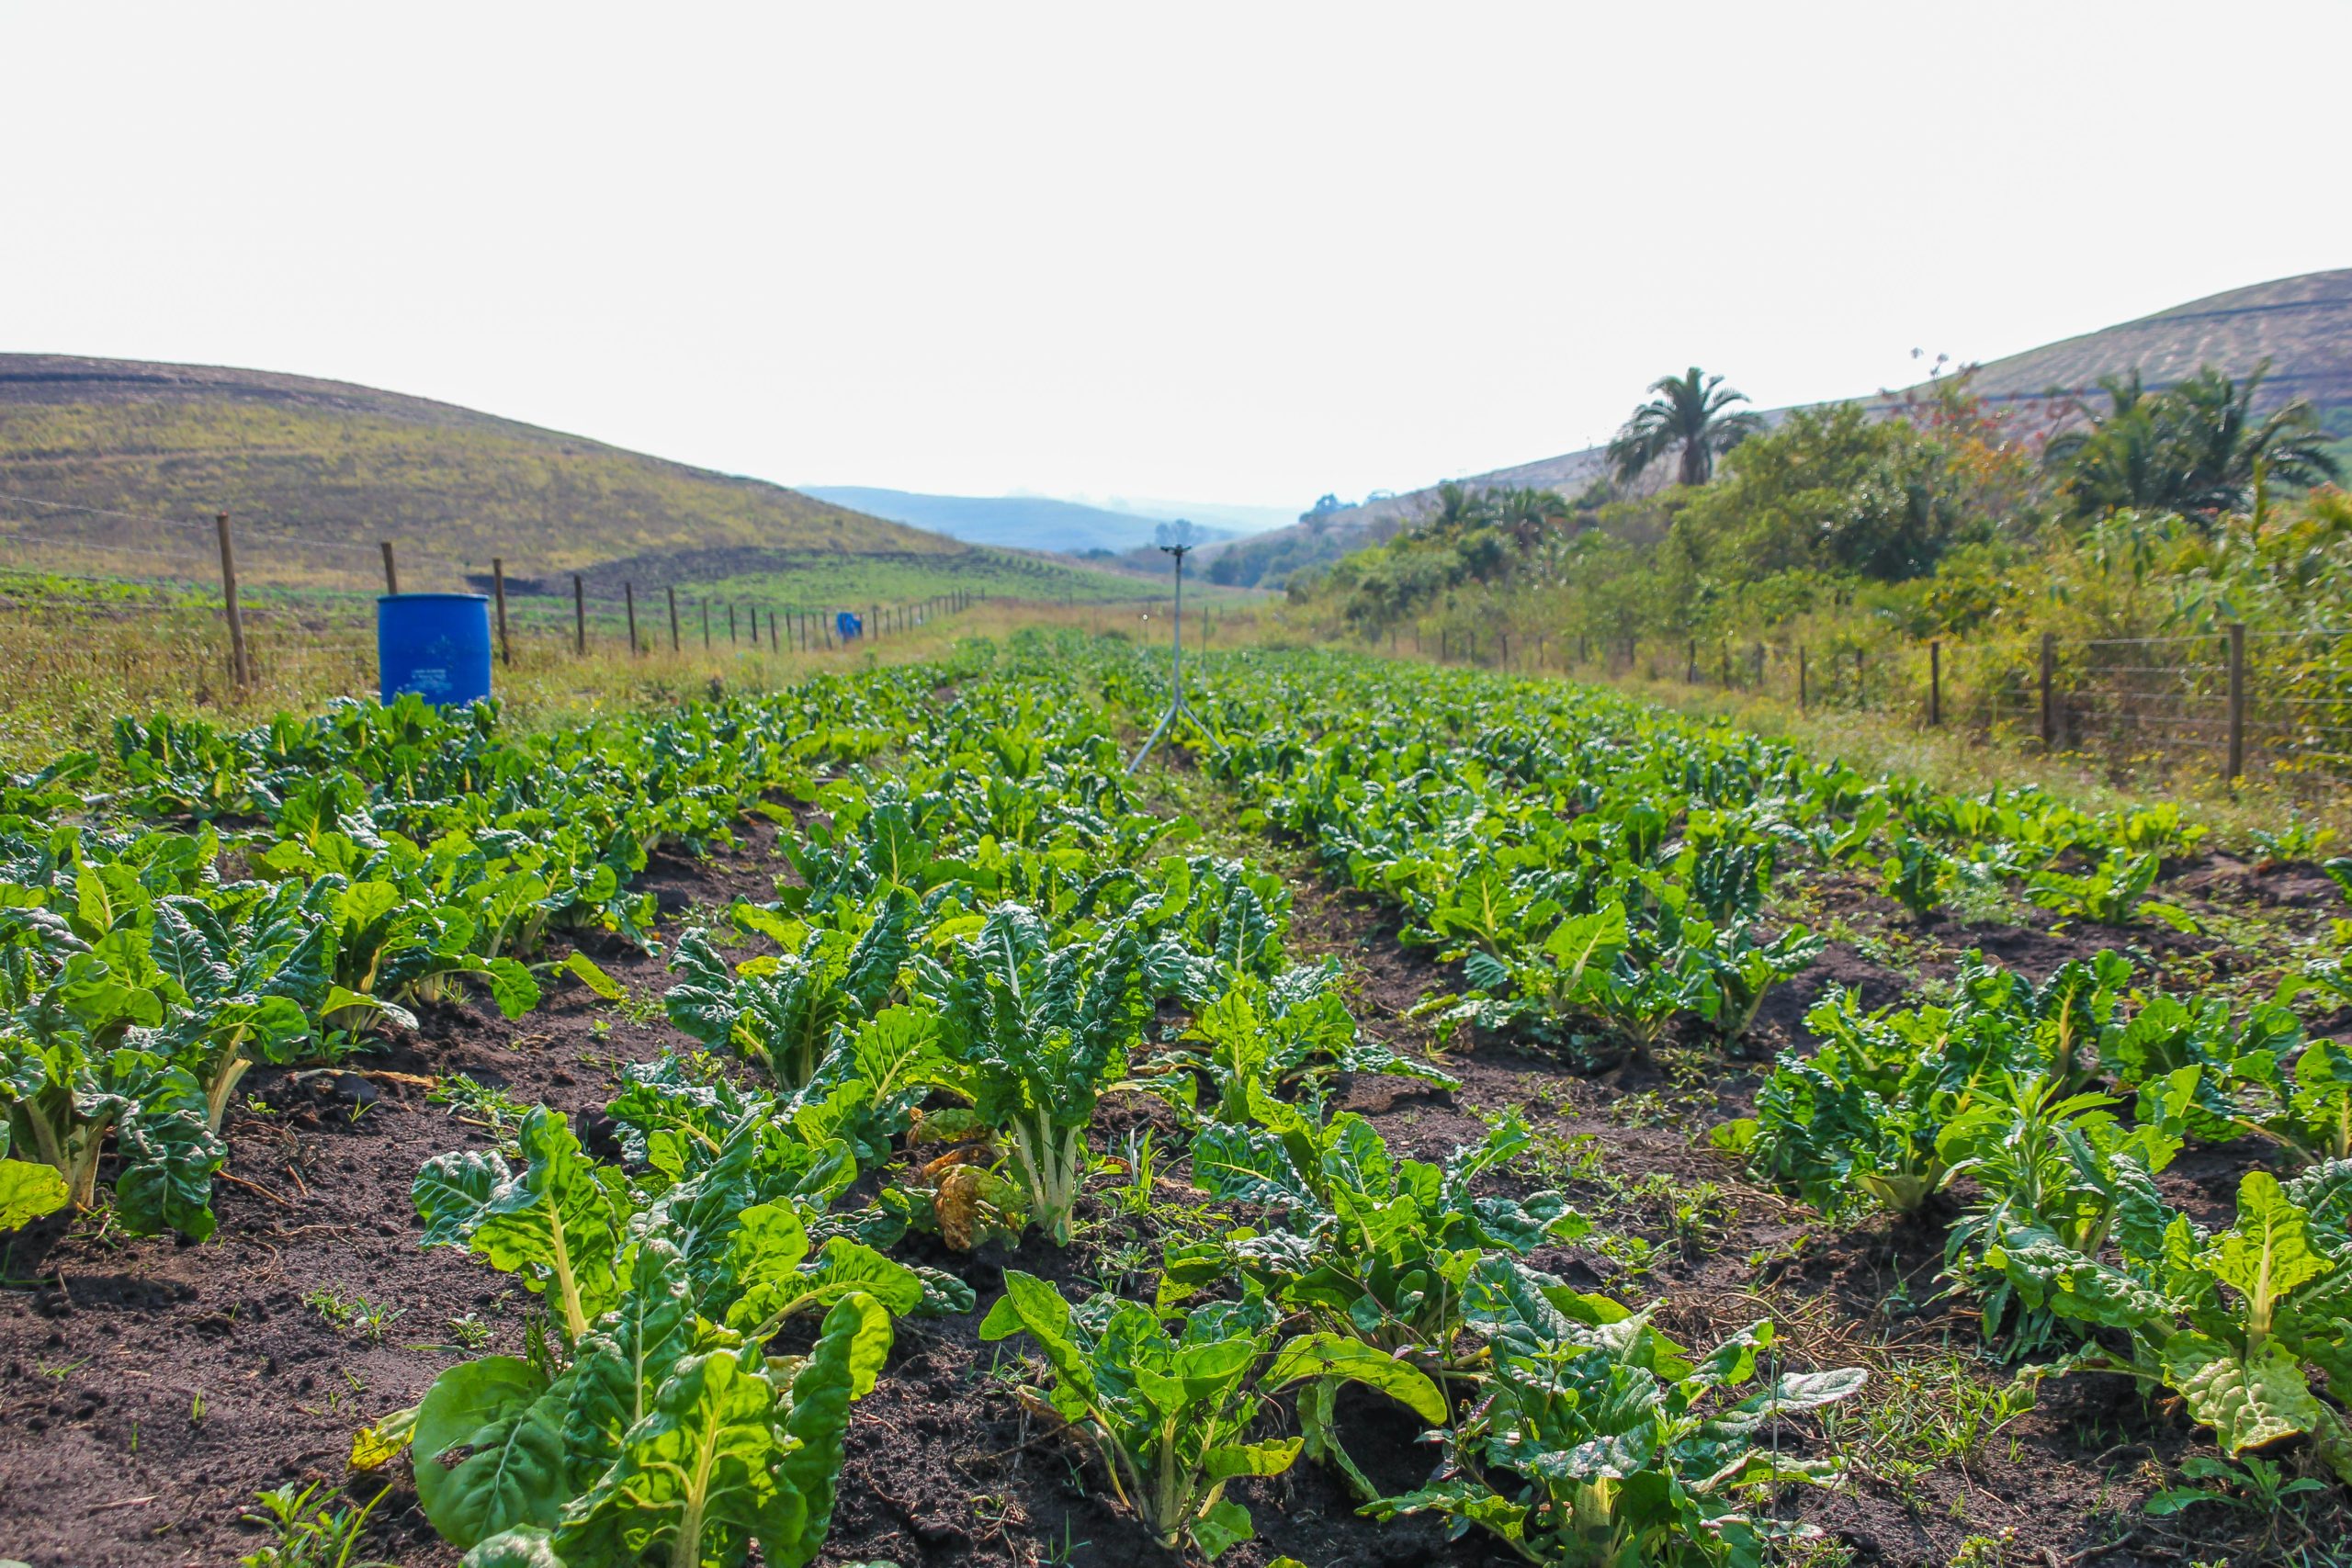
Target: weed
{"x": 1135, "y": 1158}
{"x": 344, "y": 1313}
{"x": 1924, "y": 1413}
{"x": 1061, "y": 1553}
{"x": 470, "y": 1332}
{"x": 1985, "y": 1551}
{"x": 2258, "y": 1487}
{"x": 309, "y": 1534}
{"x": 477, "y": 1103}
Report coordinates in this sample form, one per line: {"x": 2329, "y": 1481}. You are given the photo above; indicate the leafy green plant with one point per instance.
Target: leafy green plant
{"x": 1171, "y": 1414}
{"x": 668, "y": 1447}
{"x": 1291, "y": 1035}
{"x": 559, "y": 1222}
{"x": 1602, "y": 1442}
{"x": 786, "y": 1011}
{"x": 2227, "y": 1320}
{"x": 1866, "y": 1115}
{"x": 1916, "y": 875}
{"x": 1365, "y": 1246}
{"x": 1036, "y": 1032}
{"x": 2113, "y": 892}
{"x": 2041, "y": 1158}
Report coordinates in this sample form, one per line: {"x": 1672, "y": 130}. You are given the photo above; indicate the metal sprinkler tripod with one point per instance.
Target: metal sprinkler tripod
{"x": 1173, "y": 538}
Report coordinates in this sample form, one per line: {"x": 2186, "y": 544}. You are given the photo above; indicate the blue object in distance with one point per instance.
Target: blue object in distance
{"x": 436, "y": 645}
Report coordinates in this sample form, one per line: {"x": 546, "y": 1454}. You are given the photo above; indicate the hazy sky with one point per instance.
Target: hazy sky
{"x": 1247, "y": 253}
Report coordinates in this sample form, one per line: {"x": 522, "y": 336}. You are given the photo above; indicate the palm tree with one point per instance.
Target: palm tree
{"x": 2194, "y": 448}
{"x": 2224, "y": 443}
{"x": 1528, "y": 513}
{"x": 1459, "y": 510}
{"x": 1686, "y": 413}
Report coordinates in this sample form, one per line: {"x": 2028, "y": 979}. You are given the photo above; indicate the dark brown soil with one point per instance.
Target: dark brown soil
{"x": 149, "y": 1389}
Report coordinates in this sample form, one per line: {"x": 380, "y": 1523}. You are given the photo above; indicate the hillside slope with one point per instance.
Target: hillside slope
{"x": 2303, "y": 324}
{"x": 330, "y": 461}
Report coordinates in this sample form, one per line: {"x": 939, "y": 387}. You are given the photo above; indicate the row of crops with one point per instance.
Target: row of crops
{"x": 985, "y": 934}
{"x": 1602, "y": 870}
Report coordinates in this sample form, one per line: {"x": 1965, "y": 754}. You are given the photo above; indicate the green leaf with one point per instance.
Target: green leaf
{"x": 511, "y": 987}
{"x": 841, "y": 1369}
{"x": 526, "y": 1546}
{"x": 584, "y": 969}
{"x": 1224, "y": 1524}
{"x": 500, "y": 1409}
{"x": 1318, "y": 1427}
{"x": 2267, "y": 1253}
{"x": 347, "y": 1009}
{"x": 622, "y": 1363}
{"x": 1327, "y": 1355}
{"x": 695, "y": 1479}
{"x": 2248, "y": 1402}
{"x": 1269, "y": 1457}
{"x": 28, "y": 1192}
{"x": 558, "y": 1222}
{"x": 1032, "y": 1306}
{"x": 776, "y": 1282}
{"x": 167, "y": 1145}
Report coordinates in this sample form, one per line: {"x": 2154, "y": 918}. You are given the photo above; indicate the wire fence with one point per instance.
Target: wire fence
{"x": 2232, "y": 703}
{"x": 276, "y": 593}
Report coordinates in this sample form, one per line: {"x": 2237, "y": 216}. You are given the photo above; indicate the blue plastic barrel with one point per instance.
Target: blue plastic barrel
{"x": 436, "y": 645}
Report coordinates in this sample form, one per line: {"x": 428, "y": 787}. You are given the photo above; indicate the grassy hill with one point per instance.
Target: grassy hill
{"x": 2303, "y": 324}
{"x": 316, "y": 472}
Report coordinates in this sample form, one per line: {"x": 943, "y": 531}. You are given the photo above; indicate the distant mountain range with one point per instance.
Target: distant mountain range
{"x": 1024, "y": 521}
{"x": 2302, "y": 325}
{"x": 1043, "y": 522}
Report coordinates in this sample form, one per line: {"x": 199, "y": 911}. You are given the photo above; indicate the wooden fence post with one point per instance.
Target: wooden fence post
{"x": 776, "y": 640}
{"x": 1801, "y": 674}
{"x": 2048, "y": 709}
{"x": 1935, "y": 682}
{"x": 2237, "y": 700}
{"x": 1691, "y": 664}
{"x": 731, "y": 623}
{"x": 705, "y": 626}
{"x": 391, "y": 572}
{"x": 1858, "y": 678}
{"x": 241, "y": 664}
{"x": 674, "y": 645}
{"x": 579, "y": 616}
{"x": 628, "y": 594}
{"x": 498, "y": 592}
{"x": 1726, "y": 668}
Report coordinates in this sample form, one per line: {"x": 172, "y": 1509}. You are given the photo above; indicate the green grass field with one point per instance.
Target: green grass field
{"x": 79, "y": 650}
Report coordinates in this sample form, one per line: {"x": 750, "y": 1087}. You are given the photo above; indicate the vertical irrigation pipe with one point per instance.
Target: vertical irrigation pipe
{"x": 1173, "y": 539}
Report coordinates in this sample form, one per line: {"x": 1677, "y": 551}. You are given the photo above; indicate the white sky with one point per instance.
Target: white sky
{"x": 1245, "y": 253}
